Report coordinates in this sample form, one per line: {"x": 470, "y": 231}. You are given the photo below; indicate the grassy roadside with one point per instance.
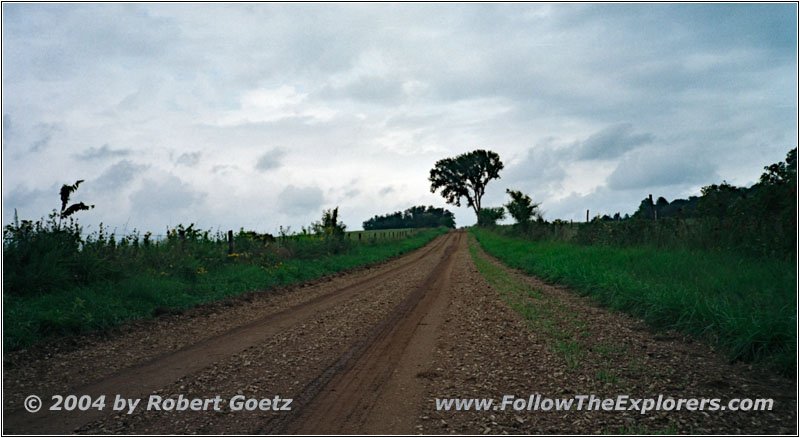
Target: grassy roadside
{"x": 539, "y": 311}
{"x": 606, "y": 366}
{"x": 31, "y": 319}
{"x": 747, "y": 307}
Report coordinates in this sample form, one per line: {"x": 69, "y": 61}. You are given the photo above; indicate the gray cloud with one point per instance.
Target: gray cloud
{"x": 223, "y": 168}
{"x": 300, "y": 200}
{"x": 385, "y": 190}
{"x": 81, "y": 37}
{"x": 8, "y": 125}
{"x": 101, "y": 153}
{"x": 659, "y": 167}
{"x": 188, "y": 159}
{"x": 165, "y": 194}
{"x": 22, "y": 196}
{"x": 119, "y": 175}
{"x": 541, "y": 167}
{"x": 45, "y": 135}
{"x": 270, "y": 160}
{"x": 611, "y": 142}
{"x": 371, "y": 89}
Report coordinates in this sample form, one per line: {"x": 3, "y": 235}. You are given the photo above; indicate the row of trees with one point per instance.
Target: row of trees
{"x": 414, "y": 217}
{"x": 774, "y": 195}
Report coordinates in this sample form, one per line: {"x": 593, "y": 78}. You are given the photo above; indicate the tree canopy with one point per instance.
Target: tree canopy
{"x": 465, "y": 176}
{"x": 414, "y": 217}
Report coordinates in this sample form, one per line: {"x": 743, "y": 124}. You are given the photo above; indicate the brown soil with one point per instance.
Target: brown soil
{"x": 368, "y": 352}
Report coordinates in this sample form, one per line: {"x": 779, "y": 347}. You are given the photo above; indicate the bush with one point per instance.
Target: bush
{"x": 489, "y": 216}
{"x": 522, "y": 208}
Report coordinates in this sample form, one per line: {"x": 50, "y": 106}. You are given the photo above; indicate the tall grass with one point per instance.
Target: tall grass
{"x": 56, "y": 283}
{"x": 746, "y": 235}
{"x": 745, "y": 306}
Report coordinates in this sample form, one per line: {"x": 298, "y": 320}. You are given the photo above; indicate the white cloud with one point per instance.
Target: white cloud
{"x": 273, "y": 104}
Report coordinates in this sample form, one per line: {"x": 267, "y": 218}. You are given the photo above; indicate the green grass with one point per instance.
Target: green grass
{"x": 745, "y": 306}
{"x": 28, "y": 319}
{"x": 607, "y": 375}
{"x": 539, "y": 311}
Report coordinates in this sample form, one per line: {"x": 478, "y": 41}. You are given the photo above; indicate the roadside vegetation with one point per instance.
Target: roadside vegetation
{"x": 746, "y": 306}
{"x": 757, "y": 221}
{"x": 720, "y": 266}
{"x": 58, "y": 282}
{"x": 608, "y": 367}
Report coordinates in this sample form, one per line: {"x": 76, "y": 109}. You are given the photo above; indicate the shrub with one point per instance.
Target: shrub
{"x": 489, "y": 216}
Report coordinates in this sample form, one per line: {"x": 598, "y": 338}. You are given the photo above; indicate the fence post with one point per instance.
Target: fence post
{"x": 230, "y": 241}
{"x": 587, "y": 215}
{"x": 359, "y": 237}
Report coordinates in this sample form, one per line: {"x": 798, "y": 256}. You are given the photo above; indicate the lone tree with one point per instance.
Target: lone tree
{"x": 465, "y": 176}
{"x": 522, "y": 208}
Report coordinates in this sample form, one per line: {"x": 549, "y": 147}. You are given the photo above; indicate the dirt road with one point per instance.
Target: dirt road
{"x": 369, "y": 351}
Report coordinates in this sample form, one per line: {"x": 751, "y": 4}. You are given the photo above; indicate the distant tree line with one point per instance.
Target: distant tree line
{"x": 759, "y": 220}
{"x": 414, "y": 217}
{"x": 772, "y": 198}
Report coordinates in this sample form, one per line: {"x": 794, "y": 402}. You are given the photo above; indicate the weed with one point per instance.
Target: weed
{"x": 607, "y": 376}
{"x": 572, "y": 351}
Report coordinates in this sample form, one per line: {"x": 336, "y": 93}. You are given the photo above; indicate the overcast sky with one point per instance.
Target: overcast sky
{"x": 260, "y": 115}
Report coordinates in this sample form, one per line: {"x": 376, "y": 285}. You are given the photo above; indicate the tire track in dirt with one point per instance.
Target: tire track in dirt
{"x": 373, "y": 387}
{"x": 153, "y": 374}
